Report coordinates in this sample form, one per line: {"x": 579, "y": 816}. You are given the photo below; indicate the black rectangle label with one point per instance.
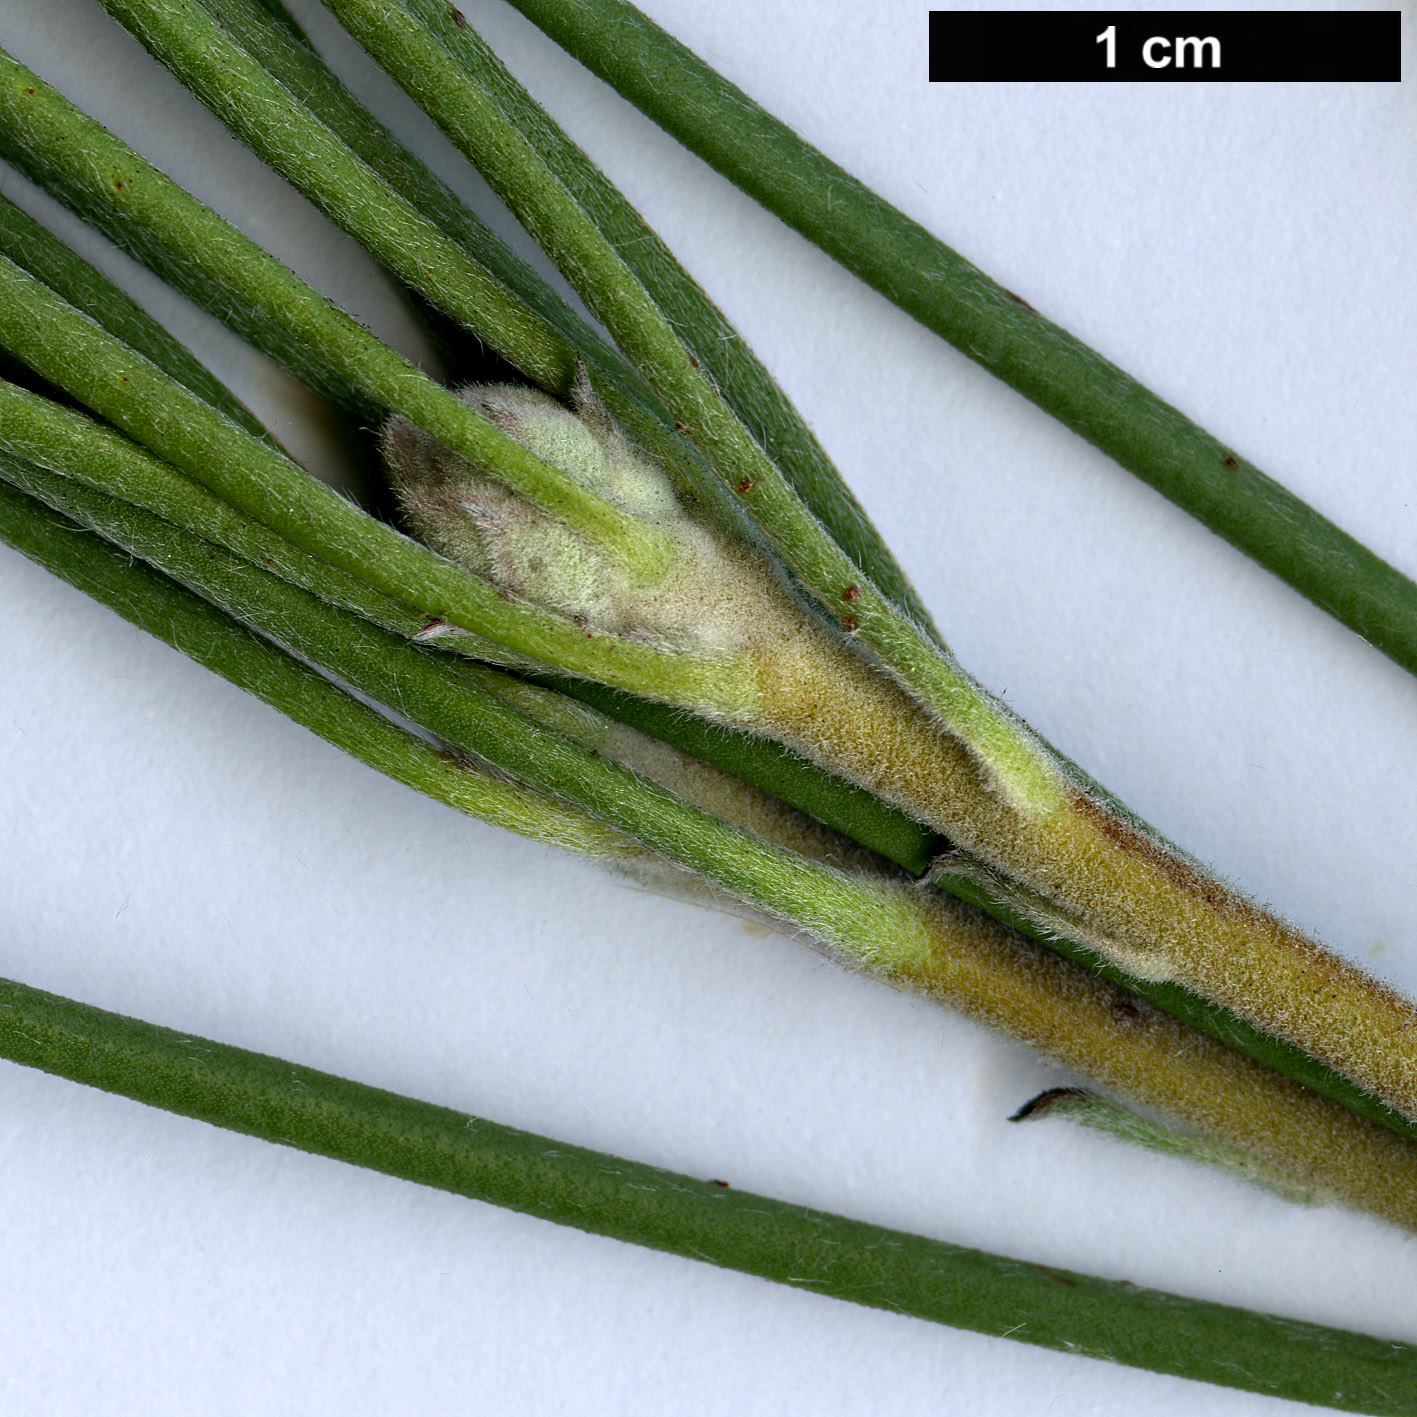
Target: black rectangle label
{"x": 1167, "y": 45}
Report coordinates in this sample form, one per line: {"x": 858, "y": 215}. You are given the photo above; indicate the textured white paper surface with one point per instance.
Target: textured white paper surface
{"x": 175, "y": 850}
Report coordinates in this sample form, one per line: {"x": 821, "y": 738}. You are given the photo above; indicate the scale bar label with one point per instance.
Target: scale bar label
{"x": 1167, "y": 46}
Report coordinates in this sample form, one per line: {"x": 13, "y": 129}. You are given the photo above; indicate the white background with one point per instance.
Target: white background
{"x": 175, "y": 850}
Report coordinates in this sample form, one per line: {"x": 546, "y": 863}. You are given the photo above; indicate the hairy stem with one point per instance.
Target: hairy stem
{"x": 59, "y": 134}
{"x": 1098, "y": 879}
{"x": 809, "y": 1249}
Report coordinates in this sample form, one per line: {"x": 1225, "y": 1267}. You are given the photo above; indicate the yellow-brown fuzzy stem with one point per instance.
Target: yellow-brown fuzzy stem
{"x": 988, "y": 973}
{"x": 1148, "y": 910}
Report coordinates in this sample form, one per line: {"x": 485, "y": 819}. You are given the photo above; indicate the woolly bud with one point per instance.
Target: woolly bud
{"x": 713, "y": 599}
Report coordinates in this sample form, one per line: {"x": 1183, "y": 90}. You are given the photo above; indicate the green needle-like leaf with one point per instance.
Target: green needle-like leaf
{"x": 704, "y": 1220}
{"x": 313, "y": 158}
{"x": 52, "y": 129}
{"x": 275, "y": 44}
{"x": 305, "y": 363}
{"x": 356, "y": 172}
{"x": 185, "y": 621}
{"x": 48, "y": 259}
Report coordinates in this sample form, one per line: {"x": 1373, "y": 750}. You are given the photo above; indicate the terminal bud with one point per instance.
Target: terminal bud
{"x": 715, "y": 598}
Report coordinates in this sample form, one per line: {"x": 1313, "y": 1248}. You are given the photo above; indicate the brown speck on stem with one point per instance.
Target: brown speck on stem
{"x": 459, "y": 19}
{"x": 1126, "y": 1010}
{"x": 682, "y": 429}
{"x": 850, "y": 624}
{"x": 851, "y": 594}
{"x": 745, "y": 486}
{"x": 694, "y": 360}
{"x": 724, "y": 1184}
{"x": 1229, "y": 461}
{"x": 1019, "y": 300}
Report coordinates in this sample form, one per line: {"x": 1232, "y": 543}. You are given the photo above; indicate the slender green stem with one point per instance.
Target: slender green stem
{"x": 58, "y": 133}
{"x": 814, "y": 1250}
{"x": 48, "y": 259}
{"x": 992, "y": 325}
{"x": 264, "y": 114}
{"x": 1017, "y": 762}
{"x": 78, "y": 355}
{"x": 181, "y": 619}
